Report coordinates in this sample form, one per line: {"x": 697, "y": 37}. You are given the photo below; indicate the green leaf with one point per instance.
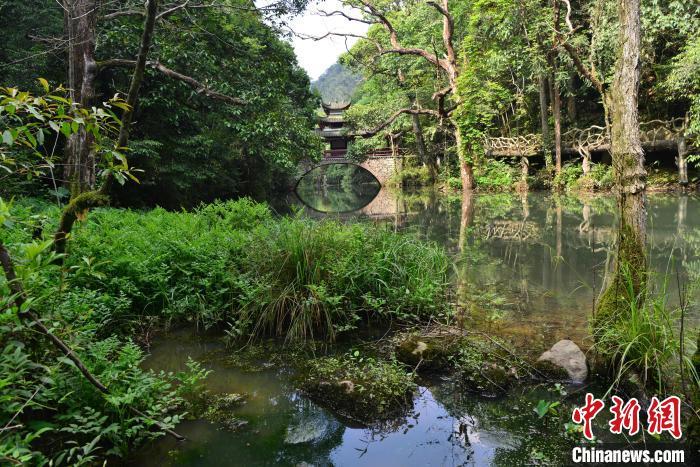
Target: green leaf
{"x": 66, "y": 129}
{"x": 7, "y": 138}
{"x": 44, "y": 84}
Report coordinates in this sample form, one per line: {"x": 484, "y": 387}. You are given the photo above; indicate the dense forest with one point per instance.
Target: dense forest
{"x": 450, "y": 266}
{"x": 190, "y": 142}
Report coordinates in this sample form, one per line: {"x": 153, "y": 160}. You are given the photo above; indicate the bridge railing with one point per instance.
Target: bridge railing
{"x": 585, "y": 140}
{"x": 341, "y": 154}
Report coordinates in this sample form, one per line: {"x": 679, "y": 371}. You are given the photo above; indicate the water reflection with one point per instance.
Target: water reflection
{"x": 337, "y": 188}
{"x": 443, "y": 428}
{"x": 532, "y": 265}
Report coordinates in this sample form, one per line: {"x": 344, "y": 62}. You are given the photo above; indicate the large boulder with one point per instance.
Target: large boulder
{"x": 567, "y": 355}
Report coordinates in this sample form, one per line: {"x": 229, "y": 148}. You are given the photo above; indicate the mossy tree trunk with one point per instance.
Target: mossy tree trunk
{"x": 628, "y": 278}
{"x": 544, "y": 118}
{"x": 466, "y": 169}
{"x": 80, "y": 20}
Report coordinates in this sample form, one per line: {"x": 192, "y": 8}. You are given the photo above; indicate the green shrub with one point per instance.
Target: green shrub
{"x": 603, "y": 176}
{"x": 494, "y": 174}
{"x": 60, "y": 417}
{"x": 411, "y": 176}
{"x": 174, "y": 266}
{"x": 568, "y": 176}
{"x": 638, "y": 336}
{"x": 454, "y": 183}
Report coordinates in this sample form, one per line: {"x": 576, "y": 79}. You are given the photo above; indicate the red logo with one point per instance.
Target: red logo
{"x": 662, "y": 416}
{"x": 587, "y": 413}
{"x": 624, "y": 416}
{"x": 665, "y": 416}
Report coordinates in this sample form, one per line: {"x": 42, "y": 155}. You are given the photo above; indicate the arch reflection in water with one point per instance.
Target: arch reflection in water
{"x": 337, "y": 188}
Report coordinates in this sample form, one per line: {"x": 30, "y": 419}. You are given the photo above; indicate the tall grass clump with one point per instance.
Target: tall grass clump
{"x": 320, "y": 278}
{"x": 641, "y": 337}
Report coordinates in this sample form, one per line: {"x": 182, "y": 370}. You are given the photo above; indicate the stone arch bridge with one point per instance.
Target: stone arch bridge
{"x": 381, "y": 163}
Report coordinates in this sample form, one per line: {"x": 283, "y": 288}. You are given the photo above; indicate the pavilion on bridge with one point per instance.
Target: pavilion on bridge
{"x": 332, "y": 129}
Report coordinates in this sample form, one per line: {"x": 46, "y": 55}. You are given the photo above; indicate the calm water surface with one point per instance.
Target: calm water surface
{"x": 530, "y": 266}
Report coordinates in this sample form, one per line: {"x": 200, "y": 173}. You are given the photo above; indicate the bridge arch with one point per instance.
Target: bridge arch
{"x": 382, "y": 166}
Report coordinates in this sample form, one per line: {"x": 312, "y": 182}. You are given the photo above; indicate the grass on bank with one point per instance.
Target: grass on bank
{"x": 642, "y": 338}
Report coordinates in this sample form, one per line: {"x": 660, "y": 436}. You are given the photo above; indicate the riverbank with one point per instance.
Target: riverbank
{"x": 499, "y": 176}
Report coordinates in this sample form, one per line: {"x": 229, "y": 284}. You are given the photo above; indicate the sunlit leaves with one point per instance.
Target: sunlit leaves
{"x": 27, "y": 119}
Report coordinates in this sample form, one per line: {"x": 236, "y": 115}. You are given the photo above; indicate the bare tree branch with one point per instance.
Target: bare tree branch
{"x": 583, "y": 69}
{"x": 393, "y": 117}
{"x": 567, "y": 18}
{"x": 344, "y": 15}
{"x": 397, "y": 48}
{"x": 199, "y": 87}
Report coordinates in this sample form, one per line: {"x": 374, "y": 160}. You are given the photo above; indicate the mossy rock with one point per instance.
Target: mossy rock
{"x": 488, "y": 379}
{"x": 219, "y": 410}
{"x": 427, "y": 354}
{"x": 365, "y": 390}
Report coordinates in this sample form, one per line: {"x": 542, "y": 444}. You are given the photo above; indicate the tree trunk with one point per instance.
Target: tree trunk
{"x": 426, "y": 159}
{"x": 466, "y": 171}
{"x": 571, "y": 100}
{"x": 586, "y": 163}
{"x": 88, "y": 199}
{"x": 630, "y": 176}
{"x": 466, "y": 218}
{"x": 80, "y": 22}
{"x": 139, "y": 70}
{"x": 524, "y": 172}
{"x": 544, "y": 120}
{"x": 556, "y": 110}
{"x": 682, "y": 162}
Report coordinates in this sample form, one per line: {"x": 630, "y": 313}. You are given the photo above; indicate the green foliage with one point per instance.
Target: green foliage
{"x": 639, "y": 337}
{"x": 495, "y": 174}
{"x": 32, "y": 125}
{"x": 544, "y": 407}
{"x": 569, "y": 175}
{"x": 58, "y": 416}
{"x": 411, "y": 177}
{"x": 682, "y": 81}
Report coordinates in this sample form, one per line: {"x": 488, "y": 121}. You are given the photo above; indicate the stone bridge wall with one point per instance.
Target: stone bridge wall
{"x": 381, "y": 167}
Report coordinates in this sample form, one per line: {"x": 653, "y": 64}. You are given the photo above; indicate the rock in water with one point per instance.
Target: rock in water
{"x": 567, "y": 355}
{"x": 310, "y": 426}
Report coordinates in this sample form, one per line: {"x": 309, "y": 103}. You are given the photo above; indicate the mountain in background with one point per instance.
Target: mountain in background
{"x": 337, "y": 84}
